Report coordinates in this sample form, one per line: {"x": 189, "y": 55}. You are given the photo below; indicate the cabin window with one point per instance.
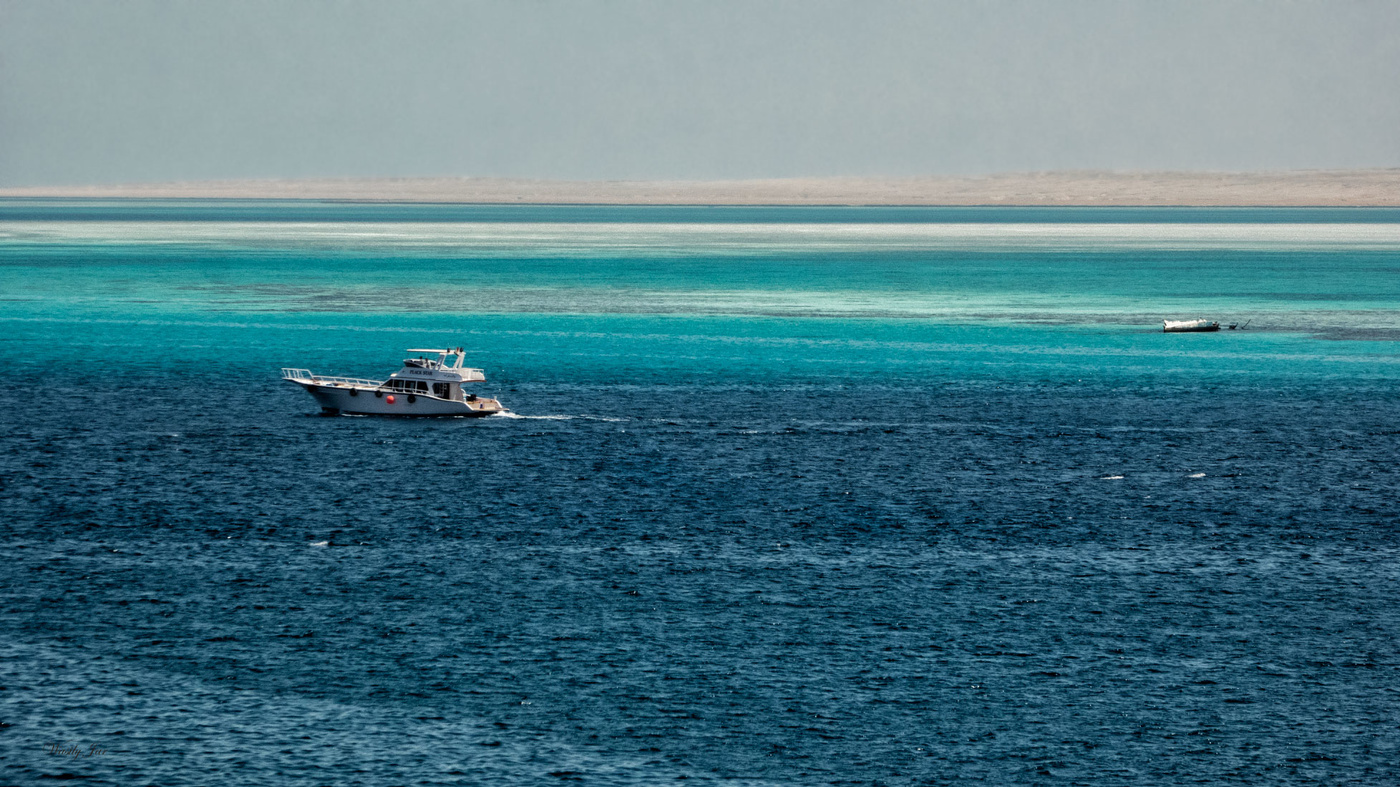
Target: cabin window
{"x": 440, "y": 390}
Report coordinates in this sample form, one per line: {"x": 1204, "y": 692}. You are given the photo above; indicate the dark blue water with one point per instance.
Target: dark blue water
{"x": 719, "y": 543}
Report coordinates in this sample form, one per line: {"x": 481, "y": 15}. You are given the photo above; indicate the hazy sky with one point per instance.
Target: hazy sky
{"x": 107, "y": 91}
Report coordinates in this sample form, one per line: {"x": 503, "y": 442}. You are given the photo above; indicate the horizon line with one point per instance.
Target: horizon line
{"x": 1352, "y": 187}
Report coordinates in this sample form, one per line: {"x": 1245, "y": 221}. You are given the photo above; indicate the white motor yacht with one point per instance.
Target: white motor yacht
{"x": 425, "y": 386}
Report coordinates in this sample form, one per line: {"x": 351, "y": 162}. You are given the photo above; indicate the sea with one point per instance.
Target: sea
{"x": 785, "y": 496}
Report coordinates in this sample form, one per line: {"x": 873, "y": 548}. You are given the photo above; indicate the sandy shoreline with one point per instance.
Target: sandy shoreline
{"x": 1361, "y": 187}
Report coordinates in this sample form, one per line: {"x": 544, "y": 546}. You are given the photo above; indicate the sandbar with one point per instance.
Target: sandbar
{"x": 1349, "y": 187}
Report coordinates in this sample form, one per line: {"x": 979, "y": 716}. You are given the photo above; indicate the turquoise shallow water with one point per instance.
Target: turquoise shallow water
{"x": 788, "y": 496}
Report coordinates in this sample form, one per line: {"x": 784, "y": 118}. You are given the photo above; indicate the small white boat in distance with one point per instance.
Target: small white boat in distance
{"x": 423, "y": 387}
{"x": 1189, "y": 326}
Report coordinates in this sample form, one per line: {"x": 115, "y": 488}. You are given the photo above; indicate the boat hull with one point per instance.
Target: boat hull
{"x": 1189, "y": 326}
{"x": 363, "y": 401}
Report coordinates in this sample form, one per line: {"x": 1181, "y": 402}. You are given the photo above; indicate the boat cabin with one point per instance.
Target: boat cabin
{"x": 439, "y": 377}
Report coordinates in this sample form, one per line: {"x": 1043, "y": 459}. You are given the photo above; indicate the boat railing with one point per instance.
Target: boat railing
{"x": 305, "y": 375}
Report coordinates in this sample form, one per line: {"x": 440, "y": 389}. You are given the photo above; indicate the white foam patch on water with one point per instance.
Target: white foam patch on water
{"x": 1197, "y": 475}
{"x": 1111, "y": 478}
{"x": 556, "y": 417}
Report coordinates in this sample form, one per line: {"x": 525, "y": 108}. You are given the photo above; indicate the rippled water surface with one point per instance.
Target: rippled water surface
{"x": 787, "y": 497}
